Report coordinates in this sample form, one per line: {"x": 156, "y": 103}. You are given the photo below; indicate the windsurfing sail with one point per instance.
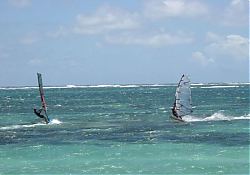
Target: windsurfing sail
{"x": 42, "y": 113}
{"x": 40, "y": 83}
{"x": 183, "y": 102}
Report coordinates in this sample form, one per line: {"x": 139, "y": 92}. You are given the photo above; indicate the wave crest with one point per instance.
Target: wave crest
{"x": 55, "y": 122}
{"x": 215, "y": 117}
{"x": 12, "y": 127}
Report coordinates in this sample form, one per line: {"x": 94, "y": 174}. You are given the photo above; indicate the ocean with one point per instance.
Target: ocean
{"x": 125, "y": 129}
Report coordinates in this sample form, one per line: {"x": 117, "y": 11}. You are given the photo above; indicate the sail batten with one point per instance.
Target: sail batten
{"x": 183, "y": 101}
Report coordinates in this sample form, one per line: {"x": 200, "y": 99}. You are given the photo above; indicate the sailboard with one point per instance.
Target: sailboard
{"x": 183, "y": 102}
{"x": 42, "y": 113}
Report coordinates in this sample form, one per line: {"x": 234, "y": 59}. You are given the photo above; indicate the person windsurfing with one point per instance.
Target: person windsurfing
{"x": 42, "y": 113}
{"x": 38, "y": 113}
{"x": 182, "y": 103}
{"x": 175, "y": 113}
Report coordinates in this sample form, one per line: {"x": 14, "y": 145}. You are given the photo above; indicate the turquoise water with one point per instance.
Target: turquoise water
{"x": 125, "y": 130}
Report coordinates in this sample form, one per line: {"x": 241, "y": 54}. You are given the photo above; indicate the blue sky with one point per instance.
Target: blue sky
{"x": 123, "y": 41}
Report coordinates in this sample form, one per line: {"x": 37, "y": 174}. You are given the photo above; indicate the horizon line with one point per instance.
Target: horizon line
{"x": 113, "y": 85}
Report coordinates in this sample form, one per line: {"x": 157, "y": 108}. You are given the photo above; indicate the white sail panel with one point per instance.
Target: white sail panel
{"x": 40, "y": 83}
{"x": 183, "y": 102}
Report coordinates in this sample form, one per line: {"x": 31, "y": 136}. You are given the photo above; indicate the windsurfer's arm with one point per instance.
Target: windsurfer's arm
{"x": 38, "y": 113}
{"x": 35, "y": 111}
{"x": 40, "y": 110}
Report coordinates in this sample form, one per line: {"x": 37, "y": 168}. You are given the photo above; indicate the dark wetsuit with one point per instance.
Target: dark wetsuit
{"x": 38, "y": 113}
{"x": 175, "y": 113}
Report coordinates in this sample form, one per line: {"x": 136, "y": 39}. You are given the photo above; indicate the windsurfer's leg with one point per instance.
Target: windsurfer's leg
{"x": 47, "y": 120}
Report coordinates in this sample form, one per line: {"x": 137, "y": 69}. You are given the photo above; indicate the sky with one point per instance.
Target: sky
{"x": 91, "y": 42}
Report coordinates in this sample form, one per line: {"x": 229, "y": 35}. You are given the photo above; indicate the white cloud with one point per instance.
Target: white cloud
{"x": 20, "y": 3}
{"x": 230, "y": 47}
{"x": 174, "y": 8}
{"x": 236, "y": 14}
{"x": 105, "y": 19}
{"x": 233, "y": 46}
{"x": 201, "y": 58}
{"x": 212, "y": 37}
{"x": 62, "y": 31}
{"x": 35, "y": 61}
{"x": 155, "y": 40}
{"x": 29, "y": 39}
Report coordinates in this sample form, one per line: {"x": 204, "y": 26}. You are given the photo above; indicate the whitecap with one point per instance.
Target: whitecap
{"x": 70, "y": 86}
{"x": 218, "y": 116}
{"x": 17, "y": 88}
{"x": 55, "y": 122}
{"x": 12, "y": 127}
{"x": 21, "y": 126}
{"x": 197, "y": 84}
{"x": 190, "y": 118}
{"x": 222, "y": 86}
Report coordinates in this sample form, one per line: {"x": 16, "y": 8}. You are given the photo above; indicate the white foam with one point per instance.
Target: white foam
{"x": 197, "y": 84}
{"x": 158, "y": 85}
{"x": 55, "y": 122}
{"x": 215, "y": 117}
{"x": 224, "y": 86}
{"x": 12, "y": 127}
{"x": 190, "y": 118}
{"x": 129, "y": 86}
{"x": 17, "y": 88}
{"x": 114, "y": 86}
{"x": 247, "y": 83}
{"x": 70, "y": 86}
{"x": 89, "y": 86}
{"x": 21, "y": 126}
{"x": 207, "y": 85}
{"x": 55, "y": 87}
{"x": 94, "y": 86}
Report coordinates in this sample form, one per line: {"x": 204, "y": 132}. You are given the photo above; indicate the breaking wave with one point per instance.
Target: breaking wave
{"x": 12, "y": 127}
{"x": 55, "y": 122}
{"x": 21, "y": 126}
{"x": 215, "y": 117}
{"x": 194, "y": 85}
{"x": 214, "y": 87}
{"x": 17, "y": 88}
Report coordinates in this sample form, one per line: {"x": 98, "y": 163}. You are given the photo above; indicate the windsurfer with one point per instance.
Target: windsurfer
{"x": 175, "y": 113}
{"x": 38, "y": 113}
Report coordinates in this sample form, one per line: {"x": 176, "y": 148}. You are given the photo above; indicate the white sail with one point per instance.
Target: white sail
{"x": 43, "y": 111}
{"x": 183, "y": 102}
{"x": 40, "y": 84}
